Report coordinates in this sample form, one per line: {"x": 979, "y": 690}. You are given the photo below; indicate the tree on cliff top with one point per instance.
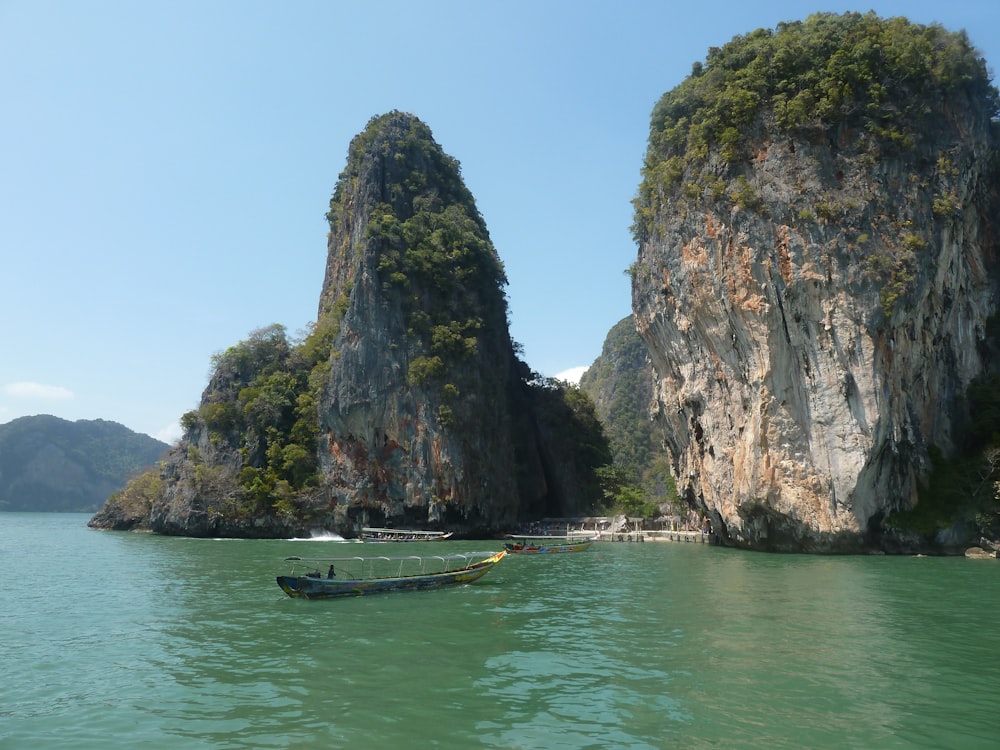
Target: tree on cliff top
{"x": 433, "y": 247}
{"x": 886, "y": 79}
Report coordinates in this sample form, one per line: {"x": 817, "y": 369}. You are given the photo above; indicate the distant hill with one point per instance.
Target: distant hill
{"x": 620, "y": 381}
{"x": 51, "y": 464}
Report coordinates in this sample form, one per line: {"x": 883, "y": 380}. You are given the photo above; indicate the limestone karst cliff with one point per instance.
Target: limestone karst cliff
{"x": 406, "y": 403}
{"x": 817, "y": 269}
{"x": 417, "y": 424}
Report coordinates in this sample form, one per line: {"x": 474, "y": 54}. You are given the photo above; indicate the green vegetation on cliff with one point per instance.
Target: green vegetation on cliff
{"x": 883, "y": 80}
{"x": 433, "y": 247}
{"x": 573, "y": 445}
{"x": 260, "y": 404}
{"x": 620, "y": 382}
{"x": 265, "y": 391}
{"x": 964, "y": 489}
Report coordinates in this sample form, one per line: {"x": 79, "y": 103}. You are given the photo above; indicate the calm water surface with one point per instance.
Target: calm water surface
{"x": 120, "y": 640}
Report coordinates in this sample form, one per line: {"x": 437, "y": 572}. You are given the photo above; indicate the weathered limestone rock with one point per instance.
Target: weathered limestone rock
{"x": 978, "y": 553}
{"x": 799, "y": 397}
{"x": 427, "y": 452}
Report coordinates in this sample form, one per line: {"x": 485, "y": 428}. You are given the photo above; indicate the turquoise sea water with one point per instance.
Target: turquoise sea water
{"x": 118, "y": 640}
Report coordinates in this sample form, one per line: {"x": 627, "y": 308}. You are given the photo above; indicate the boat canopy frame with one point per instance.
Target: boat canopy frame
{"x": 382, "y": 566}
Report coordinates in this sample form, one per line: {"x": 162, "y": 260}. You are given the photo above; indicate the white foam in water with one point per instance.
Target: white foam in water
{"x": 321, "y": 535}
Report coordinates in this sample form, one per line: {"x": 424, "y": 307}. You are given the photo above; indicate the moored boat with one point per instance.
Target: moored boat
{"x": 546, "y": 545}
{"x": 373, "y": 534}
{"x": 356, "y": 576}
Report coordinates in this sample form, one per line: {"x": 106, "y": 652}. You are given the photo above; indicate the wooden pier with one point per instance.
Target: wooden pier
{"x": 694, "y": 537}
{"x": 628, "y": 529}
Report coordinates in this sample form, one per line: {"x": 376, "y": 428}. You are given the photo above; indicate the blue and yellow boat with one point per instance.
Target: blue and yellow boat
{"x": 357, "y": 576}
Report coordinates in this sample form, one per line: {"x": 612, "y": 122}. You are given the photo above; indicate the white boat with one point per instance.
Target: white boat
{"x": 374, "y": 534}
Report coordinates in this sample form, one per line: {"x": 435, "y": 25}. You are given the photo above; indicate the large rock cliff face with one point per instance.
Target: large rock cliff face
{"x": 415, "y": 413}
{"x": 814, "y": 329}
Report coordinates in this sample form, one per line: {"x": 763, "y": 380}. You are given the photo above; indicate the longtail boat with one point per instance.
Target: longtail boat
{"x": 328, "y": 577}
{"x": 546, "y": 545}
{"x": 373, "y": 534}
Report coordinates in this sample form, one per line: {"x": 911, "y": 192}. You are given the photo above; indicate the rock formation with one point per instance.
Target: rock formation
{"x": 816, "y": 271}
{"x": 406, "y": 405}
{"x": 415, "y": 418}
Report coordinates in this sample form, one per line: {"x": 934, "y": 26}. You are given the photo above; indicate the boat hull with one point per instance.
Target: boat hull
{"x": 315, "y": 587}
{"x": 515, "y": 548}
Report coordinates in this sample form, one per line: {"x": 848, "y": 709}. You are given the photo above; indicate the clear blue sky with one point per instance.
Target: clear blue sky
{"x": 166, "y": 166}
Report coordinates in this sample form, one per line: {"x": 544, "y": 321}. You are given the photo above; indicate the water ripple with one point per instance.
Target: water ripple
{"x": 180, "y": 643}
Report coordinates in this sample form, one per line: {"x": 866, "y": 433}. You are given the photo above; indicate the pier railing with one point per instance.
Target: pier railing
{"x": 696, "y": 537}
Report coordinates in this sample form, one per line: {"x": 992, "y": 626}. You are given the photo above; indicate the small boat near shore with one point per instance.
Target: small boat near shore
{"x": 357, "y": 576}
{"x": 546, "y": 545}
{"x": 373, "y": 534}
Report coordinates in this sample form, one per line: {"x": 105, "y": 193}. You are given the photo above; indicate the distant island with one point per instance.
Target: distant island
{"x": 54, "y": 465}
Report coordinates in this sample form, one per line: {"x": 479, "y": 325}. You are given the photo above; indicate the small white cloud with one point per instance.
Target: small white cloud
{"x": 170, "y": 434}
{"x": 38, "y": 390}
{"x": 572, "y": 375}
